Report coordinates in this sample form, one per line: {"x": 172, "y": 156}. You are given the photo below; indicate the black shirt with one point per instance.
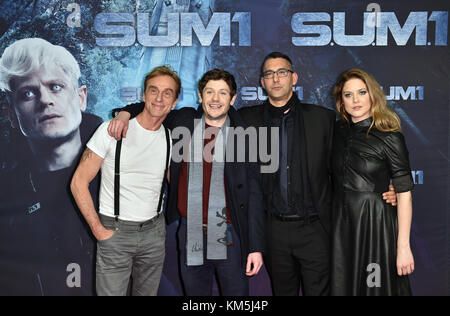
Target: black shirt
{"x": 283, "y": 201}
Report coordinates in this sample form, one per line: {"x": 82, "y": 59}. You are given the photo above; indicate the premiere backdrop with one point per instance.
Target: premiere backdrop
{"x": 45, "y": 248}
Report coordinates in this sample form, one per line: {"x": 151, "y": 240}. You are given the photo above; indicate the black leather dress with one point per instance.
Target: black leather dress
{"x": 364, "y": 226}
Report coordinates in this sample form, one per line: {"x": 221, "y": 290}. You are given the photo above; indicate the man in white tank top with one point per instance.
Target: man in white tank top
{"x": 132, "y": 242}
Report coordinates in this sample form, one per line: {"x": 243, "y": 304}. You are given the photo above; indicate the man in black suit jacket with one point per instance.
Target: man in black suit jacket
{"x": 297, "y": 197}
{"x": 243, "y": 210}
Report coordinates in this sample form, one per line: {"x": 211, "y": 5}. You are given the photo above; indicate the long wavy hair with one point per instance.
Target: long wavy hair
{"x": 384, "y": 118}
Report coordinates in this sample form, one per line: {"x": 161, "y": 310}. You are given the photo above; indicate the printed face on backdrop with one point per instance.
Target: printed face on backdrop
{"x": 160, "y": 95}
{"x": 278, "y": 88}
{"x": 216, "y": 99}
{"x": 47, "y": 105}
{"x": 356, "y": 98}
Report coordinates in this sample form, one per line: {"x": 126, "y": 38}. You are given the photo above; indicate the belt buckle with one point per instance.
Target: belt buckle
{"x": 289, "y": 218}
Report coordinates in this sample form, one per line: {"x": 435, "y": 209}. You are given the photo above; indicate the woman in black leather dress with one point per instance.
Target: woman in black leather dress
{"x": 371, "y": 253}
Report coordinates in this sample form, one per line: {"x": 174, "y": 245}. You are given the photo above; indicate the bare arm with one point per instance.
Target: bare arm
{"x": 88, "y": 168}
{"x": 405, "y": 260}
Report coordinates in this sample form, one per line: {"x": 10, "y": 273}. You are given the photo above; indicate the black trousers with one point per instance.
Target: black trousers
{"x": 298, "y": 256}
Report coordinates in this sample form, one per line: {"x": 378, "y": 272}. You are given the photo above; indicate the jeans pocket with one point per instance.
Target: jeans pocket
{"x": 162, "y": 228}
{"x": 115, "y": 232}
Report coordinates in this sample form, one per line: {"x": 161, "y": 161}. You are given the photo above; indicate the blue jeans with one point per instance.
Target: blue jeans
{"x": 230, "y": 273}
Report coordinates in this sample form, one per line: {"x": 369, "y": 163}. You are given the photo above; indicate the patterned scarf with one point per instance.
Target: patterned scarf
{"x": 217, "y": 219}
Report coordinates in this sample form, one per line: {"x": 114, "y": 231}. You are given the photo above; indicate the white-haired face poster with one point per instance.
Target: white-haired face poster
{"x": 42, "y": 84}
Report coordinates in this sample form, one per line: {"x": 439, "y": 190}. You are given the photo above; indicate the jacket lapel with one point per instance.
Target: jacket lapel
{"x": 308, "y": 126}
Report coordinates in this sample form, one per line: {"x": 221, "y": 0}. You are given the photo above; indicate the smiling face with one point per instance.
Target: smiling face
{"x": 46, "y": 104}
{"x": 160, "y": 95}
{"x": 356, "y": 99}
{"x": 279, "y": 88}
{"x": 216, "y": 100}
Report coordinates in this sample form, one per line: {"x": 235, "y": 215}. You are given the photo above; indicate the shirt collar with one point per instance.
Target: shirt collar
{"x": 364, "y": 123}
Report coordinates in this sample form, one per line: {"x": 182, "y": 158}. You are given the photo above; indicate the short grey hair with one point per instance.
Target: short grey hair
{"x": 29, "y": 55}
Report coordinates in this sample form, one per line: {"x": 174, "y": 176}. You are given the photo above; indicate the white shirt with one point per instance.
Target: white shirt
{"x": 142, "y": 163}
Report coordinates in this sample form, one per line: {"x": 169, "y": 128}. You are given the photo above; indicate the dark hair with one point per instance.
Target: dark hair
{"x": 218, "y": 74}
{"x": 274, "y": 55}
{"x": 164, "y": 71}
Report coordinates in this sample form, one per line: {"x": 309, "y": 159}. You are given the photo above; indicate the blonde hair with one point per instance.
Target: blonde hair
{"x": 384, "y": 118}
{"x": 29, "y": 55}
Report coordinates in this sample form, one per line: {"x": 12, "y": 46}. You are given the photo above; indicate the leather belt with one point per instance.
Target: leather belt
{"x": 296, "y": 218}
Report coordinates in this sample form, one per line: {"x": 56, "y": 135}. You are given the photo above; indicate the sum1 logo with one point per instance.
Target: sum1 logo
{"x": 121, "y": 29}
{"x": 411, "y": 93}
{"x": 310, "y": 24}
{"x": 258, "y": 93}
{"x": 417, "y": 176}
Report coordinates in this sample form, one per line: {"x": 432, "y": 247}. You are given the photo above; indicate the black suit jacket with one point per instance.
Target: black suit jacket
{"x": 318, "y": 131}
{"x": 242, "y": 182}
